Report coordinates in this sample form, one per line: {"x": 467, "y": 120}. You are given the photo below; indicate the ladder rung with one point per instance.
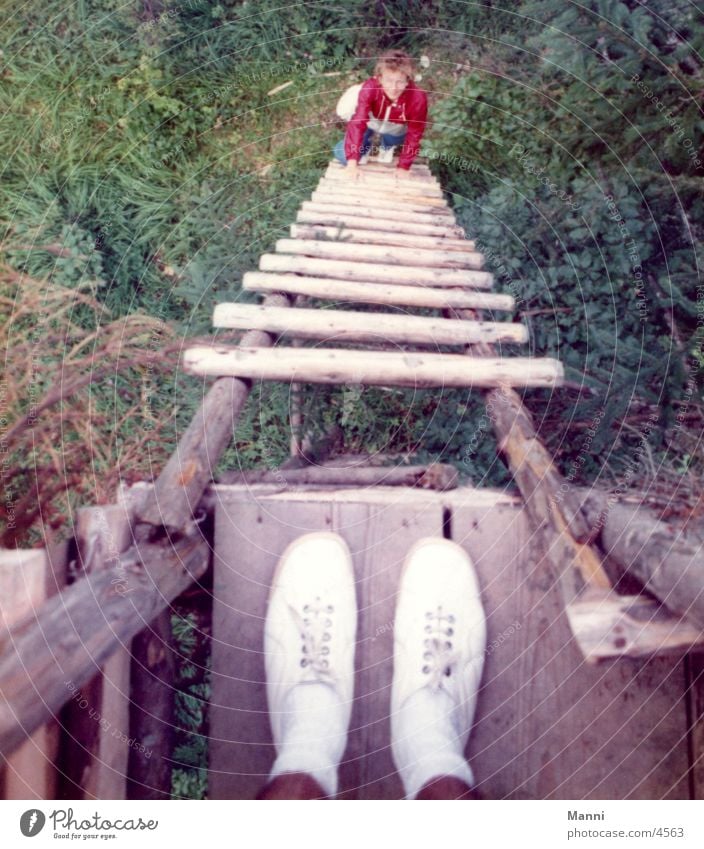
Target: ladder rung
{"x": 382, "y": 200}
{"x": 365, "y": 292}
{"x": 373, "y": 368}
{"x": 377, "y": 272}
{"x": 416, "y": 257}
{"x": 426, "y": 191}
{"x": 346, "y": 326}
{"x": 353, "y": 235}
{"x": 381, "y": 169}
{"x": 371, "y": 211}
{"x": 352, "y": 218}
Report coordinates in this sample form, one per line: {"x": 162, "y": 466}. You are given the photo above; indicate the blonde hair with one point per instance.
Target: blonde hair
{"x": 395, "y": 60}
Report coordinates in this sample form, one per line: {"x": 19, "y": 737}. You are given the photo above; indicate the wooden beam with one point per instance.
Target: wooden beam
{"x": 347, "y": 326}
{"x": 371, "y": 211}
{"x": 337, "y": 290}
{"x": 384, "y": 207}
{"x": 380, "y": 169}
{"x": 436, "y": 476}
{"x": 349, "y": 218}
{"x": 666, "y": 560}
{"x": 422, "y": 193}
{"x": 381, "y": 199}
{"x": 75, "y": 632}
{"x": 374, "y": 368}
{"x": 178, "y": 489}
{"x": 376, "y": 272}
{"x": 353, "y": 235}
{"x": 415, "y": 257}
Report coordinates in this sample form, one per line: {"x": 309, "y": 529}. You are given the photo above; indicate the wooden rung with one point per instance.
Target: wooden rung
{"x": 376, "y": 272}
{"x": 371, "y": 211}
{"x": 373, "y": 237}
{"x": 386, "y": 204}
{"x": 351, "y": 218}
{"x": 373, "y": 368}
{"x": 383, "y": 169}
{"x": 416, "y": 257}
{"x": 344, "y": 188}
{"x": 430, "y": 190}
{"x": 346, "y": 326}
{"x": 374, "y": 293}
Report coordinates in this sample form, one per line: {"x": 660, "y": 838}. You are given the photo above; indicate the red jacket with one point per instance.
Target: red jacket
{"x": 411, "y": 108}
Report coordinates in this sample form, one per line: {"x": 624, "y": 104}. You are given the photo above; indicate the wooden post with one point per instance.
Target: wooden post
{"x": 29, "y": 772}
{"x": 76, "y": 631}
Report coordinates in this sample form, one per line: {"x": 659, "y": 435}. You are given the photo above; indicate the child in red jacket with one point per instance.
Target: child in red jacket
{"x": 390, "y": 104}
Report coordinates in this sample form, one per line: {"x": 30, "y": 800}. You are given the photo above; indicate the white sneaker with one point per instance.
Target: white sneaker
{"x": 364, "y": 158}
{"x": 309, "y": 643}
{"x": 386, "y": 155}
{"x": 439, "y": 647}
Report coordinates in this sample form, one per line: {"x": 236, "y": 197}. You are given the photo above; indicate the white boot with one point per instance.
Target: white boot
{"x": 439, "y": 646}
{"x": 386, "y": 155}
{"x": 309, "y": 642}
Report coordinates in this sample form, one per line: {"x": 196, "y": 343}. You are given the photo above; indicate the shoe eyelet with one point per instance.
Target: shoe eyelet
{"x": 428, "y": 629}
{"x": 329, "y": 609}
{"x": 427, "y": 655}
{"x": 448, "y": 644}
{"x": 448, "y": 671}
{"x": 426, "y": 670}
{"x": 325, "y": 664}
{"x": 328, "y": 623}
{"x": 306, "y": 608}
{"x": 306, "y": 621}
{"x": 451, "y": 619}
{"x": 326, "y": 637}
{"x": 304, "y": 662}
{"x": 428, "y": 615}
{"x": 450, "y": 632}
{"x": 325, "y": 650}
{"x": 426, "y": 643}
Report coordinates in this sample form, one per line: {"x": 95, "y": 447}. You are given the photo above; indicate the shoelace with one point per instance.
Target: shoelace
{"x": 316, "y": 633}
{"x": 439, "y": 654}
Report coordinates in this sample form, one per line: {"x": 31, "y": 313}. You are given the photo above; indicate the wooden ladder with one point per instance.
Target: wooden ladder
{"x": 382, "y": 242}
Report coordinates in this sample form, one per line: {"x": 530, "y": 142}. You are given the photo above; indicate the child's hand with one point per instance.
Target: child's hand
{"x": 351, "y": 171}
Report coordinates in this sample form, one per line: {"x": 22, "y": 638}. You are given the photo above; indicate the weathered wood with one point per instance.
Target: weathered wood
{"x": 376, "y": 327}
{"x": 434, "y": 476}
{"x": 152, "y": 692}
{"x": 374, "y": 169}
{"x": 612, "y": 626}
{"x": 374, "y": 237}
{"x": 666, "y": 560}
{"x": 549, "y": 725}
{"x": 94, "y": 752}
{"x": 376, "y": 272}
{"x": 373, "y": 368}
{"x": 418, "y": 184}
{"x": 75, "y": 632}
{"x": 383, "y": 225}
{"x": 414, "y": 195}
{"x": 180, "y": 485}
{"x": 29, "y": 772}
{"x": 442, "y": 217}
{"x": 247, "y": 553}
{"x": 415, "y": 257}
{"x": 374, "y": 293}
{"x": 387, "y": 207}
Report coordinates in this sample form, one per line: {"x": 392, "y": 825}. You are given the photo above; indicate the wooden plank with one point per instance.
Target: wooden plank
{"x": 29, "y": 771}
{"x": 250, "y": 536}
{"x": 374, "y": 293}
{"x": 438, "y": 476}
{"x": 607, "y": 625}
{"x": 379, "y": 169}
{"x": 374, "y": 237}
{"x": 371, "y": 211}
{"x": 377, "y": 327}
{"x": 367, "y": 196}
{"x": 420, "y": 193}
{"x": 350, "y": 218}
{"x": 415, "y": 257}
{"x": 376, "y": 272}
{"x": 549, "y": 725}
{"x": 372, "y": 368}
{"x": 84, "y": 624}
{"x": 368, "y": 204}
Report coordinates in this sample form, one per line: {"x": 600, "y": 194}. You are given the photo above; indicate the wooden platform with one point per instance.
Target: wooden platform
{"x": 549, "y": 725}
